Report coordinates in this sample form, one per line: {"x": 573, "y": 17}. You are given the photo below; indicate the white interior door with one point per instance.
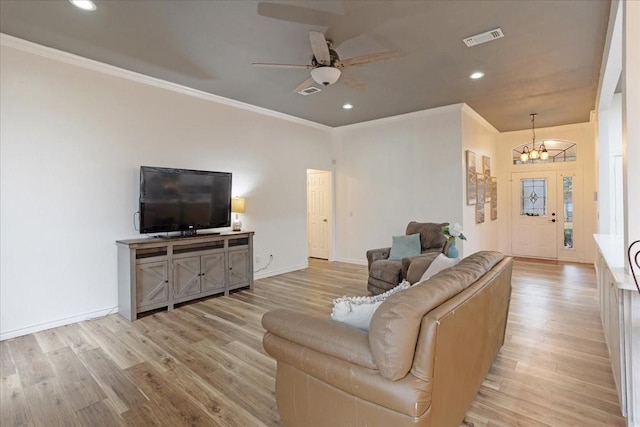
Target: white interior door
{"x": 534, "y": 219}
{"x": 318, "y": 210}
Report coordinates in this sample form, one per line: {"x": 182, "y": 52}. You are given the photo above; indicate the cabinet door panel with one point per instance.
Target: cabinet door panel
{"x": 213, "y": 272}
{"x": 152, "y": 284}
{"x": 186, "y": 276}
{"x": 238, "y": 267}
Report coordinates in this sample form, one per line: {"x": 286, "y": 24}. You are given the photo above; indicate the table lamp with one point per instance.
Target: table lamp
{"x": 237, "y": 206}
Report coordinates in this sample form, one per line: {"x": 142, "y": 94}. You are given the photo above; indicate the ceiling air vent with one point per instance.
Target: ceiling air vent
{"x": 484, "y": 37}
{"x": 309, "y": 90}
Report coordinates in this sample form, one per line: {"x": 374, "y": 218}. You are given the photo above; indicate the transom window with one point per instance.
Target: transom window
{"x": 558, "y": 151}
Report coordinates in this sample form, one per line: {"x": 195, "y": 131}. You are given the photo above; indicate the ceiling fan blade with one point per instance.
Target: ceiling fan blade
{"x": 305, "y": 84}
{"x": 353, "y": 82}
{"x": 367, "y": 59}
{"x": 262, "y": 64}
{"x": 319, "y": 47}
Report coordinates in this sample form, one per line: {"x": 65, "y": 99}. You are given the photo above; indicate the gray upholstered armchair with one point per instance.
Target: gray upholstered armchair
{"x": 385, "y": 274}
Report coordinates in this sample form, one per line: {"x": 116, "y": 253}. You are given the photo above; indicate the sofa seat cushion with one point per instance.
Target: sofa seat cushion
{"x": 389, "y": 271}
{"x": 395, "y": 325}
{"x": 320, "y": 333}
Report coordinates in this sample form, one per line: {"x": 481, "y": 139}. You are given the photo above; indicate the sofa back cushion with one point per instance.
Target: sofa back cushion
{"x": 430, "y": 236}
{"x": 394, "y": 328}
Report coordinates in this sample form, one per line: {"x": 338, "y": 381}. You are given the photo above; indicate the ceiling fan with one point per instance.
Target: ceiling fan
{"x": 327, "y": 67}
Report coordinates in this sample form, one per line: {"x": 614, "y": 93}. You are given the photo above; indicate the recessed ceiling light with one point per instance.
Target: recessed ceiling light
{"x": 477, "y": 75}
{"x": 83, "y": 4}
{"x": 347, "y": 106}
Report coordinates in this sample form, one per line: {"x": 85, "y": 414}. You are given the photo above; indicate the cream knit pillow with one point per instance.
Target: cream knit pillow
{"x": 357, "y": 311}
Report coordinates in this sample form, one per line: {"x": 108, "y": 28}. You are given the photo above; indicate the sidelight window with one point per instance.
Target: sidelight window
{"x": 567, "y": 207}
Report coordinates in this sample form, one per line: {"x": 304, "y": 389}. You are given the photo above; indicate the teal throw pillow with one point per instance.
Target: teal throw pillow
{"x": 405, "y": 246}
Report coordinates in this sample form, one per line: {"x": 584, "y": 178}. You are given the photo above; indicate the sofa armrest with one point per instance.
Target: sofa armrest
{"x": 321, "y": 334}
{"x": 414, "y": 267}
{"x": 376, "y": 254}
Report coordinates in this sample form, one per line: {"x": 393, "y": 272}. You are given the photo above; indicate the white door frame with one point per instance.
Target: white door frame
{"x": 329, "y": 231}
{"x": 563, "y": 254}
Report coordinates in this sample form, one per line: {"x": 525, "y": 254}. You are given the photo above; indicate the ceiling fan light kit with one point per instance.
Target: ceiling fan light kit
{"x": 325, "y": 75}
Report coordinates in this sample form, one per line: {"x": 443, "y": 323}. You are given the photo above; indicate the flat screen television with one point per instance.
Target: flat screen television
{"x": 183, "y": 200}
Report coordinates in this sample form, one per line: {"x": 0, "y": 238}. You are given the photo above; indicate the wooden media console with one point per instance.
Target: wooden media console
{"x": 156, "y": 272}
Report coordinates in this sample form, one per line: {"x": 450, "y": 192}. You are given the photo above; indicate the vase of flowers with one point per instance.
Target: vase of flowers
{"x": 451, "y": 232}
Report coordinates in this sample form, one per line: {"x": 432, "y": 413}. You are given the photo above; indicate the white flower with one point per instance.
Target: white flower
{"x": 455, "y": 229}
{"x": 452, "y": 231}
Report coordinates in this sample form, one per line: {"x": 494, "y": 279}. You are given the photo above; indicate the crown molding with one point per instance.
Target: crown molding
{"x": 470, "y": 111}
{"x": 90, "y": 64}
{"x": 400, "y": 117}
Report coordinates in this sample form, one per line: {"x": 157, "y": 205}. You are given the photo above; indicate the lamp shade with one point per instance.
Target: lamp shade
{"x": 544, "y": 154}
{"x": 238, "y": 205}
{"x": 325, "y": 75}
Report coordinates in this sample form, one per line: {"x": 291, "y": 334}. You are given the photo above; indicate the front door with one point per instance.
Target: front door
{"x": 534, "y": 224}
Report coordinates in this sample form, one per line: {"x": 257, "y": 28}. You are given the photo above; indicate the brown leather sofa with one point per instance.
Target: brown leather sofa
{"x": 422, "y": 362}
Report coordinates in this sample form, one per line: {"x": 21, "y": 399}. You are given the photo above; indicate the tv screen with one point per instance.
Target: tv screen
{"x": 183, "y": 199}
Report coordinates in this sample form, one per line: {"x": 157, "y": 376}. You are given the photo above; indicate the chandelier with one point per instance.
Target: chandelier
{"x": 534, "y": 154}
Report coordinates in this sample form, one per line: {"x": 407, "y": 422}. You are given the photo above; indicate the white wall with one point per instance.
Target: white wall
{"x": 72, "y": 142}
{"x": 583, "y": 134}
{"x": 393, "y": 171}
{"x": 615, "y": 206}
{"x": 630, "y": 122}
{"x": 618, "y": 129}
{"x": 481, "y": 138}
{"x": 609, "y": 126}
{"x": 410, "y": 167}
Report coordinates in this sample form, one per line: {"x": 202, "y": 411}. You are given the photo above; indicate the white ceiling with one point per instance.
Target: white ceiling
{"x": 547, "y": 63}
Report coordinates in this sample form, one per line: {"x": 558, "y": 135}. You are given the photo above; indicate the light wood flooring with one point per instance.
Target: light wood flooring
{"x": 203, "y": 363}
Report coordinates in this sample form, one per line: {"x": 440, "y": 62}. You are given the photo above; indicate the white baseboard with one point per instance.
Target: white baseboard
{"x": 265, "y": 274}
{"x": 352, "y": 261}
{"x": 5, "y": 335}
